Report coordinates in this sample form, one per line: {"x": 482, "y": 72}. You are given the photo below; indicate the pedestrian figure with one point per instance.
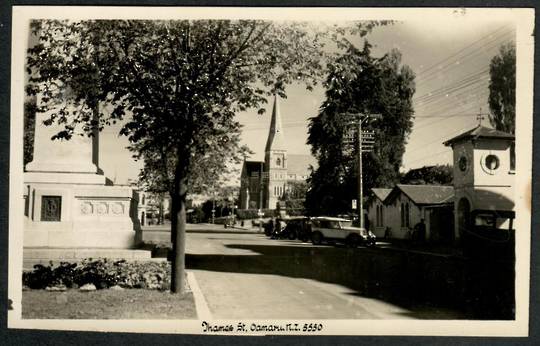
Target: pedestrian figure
{"x": 269, "y": 227}
{"x": 420, "y": 230}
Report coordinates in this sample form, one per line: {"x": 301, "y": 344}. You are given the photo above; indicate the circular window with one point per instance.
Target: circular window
{"x": 463, "y": 163}
{"x": 492, "y": 162}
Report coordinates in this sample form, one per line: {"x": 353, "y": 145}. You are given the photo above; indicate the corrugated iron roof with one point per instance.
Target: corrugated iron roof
{"x": 424, "y": 194}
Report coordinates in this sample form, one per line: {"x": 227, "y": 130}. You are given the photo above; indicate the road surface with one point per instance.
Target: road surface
{"x": 249, "y": 276}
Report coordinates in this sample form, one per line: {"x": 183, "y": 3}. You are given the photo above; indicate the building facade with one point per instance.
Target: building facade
{"x": 393, "y": 213}
{"x": 264, "y": 183}
{"x": 484, "y": 173}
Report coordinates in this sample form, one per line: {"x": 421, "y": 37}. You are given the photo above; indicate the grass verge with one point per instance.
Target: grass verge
{"x": 107, "y": 304}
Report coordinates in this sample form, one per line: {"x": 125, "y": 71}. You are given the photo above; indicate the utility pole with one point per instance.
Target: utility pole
{"x": 260, "y": 212}
{"x": 366, "y": 140}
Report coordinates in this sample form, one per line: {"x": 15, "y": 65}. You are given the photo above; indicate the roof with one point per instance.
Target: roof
{"x": 329, "y": 218}
{"x": 424, "y": 194}
{"x": 480, "y": 132}
{"x": 299, "y": 164}
{"x": 252, "y": 166}
{"x": 381, "y": 193}
{"x": 276, "y": 139}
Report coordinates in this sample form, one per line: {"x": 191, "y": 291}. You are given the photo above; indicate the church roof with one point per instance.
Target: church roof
{"x": 299, "y": 164}
{"x": 276, "y": 138}
{"x": 381, "y": 193}
{"x": 424, "y": 194}
{"x": 480, "y": 132}
{"x": 252, "y": 166}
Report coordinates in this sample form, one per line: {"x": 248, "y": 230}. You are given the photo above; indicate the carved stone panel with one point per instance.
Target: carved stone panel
{"x": 51, "y": 208}
{"x": 102, "y": 208}
{"x": 87, "y": 208}
{"x": 117, "y": 208}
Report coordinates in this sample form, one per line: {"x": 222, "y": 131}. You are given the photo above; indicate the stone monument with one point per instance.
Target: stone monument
{"x": 69, "y": 202}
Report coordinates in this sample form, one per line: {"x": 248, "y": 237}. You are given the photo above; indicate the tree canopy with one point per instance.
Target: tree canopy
{"x": 175, "y": 85}
{"x": 359, "y": 82}
{"x": 502, "y": 89}
{"x": 430, "y": 175}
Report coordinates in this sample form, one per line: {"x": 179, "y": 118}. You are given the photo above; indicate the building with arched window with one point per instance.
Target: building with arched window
{"x": 394, "y": 212}
{"x": 264, "y": 183}
{"x": 484, "y": 174}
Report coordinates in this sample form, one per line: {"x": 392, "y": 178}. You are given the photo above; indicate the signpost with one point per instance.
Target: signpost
{"x": 260, "y": 214}
{"x": 366, "y": 141}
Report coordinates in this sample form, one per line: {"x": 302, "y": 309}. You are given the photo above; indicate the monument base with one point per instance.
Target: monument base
{"x": 64, "y": 210}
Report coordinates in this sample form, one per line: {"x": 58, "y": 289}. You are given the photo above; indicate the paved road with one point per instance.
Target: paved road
{"x": 252, "y": 277}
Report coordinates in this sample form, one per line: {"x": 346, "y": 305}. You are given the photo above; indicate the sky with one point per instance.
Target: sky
{"x": 450, "y": 60}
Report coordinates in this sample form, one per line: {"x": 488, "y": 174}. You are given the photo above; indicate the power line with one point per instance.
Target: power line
{"x": 478, "y": 76}
{"x": 466, "y": 93}
{"x": 461, "y": 50}
{"x": 481, "y": 49}
{"x": 441, "y": 138}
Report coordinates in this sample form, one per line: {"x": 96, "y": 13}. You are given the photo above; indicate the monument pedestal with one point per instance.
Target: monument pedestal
{"x": 67, "y": 201}
{"x": 78, "y": 215}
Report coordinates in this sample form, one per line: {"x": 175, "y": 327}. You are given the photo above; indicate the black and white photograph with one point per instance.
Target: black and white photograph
{"x": 271, "y": 171}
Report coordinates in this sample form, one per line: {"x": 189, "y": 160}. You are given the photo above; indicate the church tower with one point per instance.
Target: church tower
{"x": 275, "y": 160}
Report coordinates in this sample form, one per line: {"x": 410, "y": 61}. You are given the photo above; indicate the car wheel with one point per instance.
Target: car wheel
{"x": 291, "y": 235}
{"x": 316, "y": 238}
{"x": 353, "y": 240}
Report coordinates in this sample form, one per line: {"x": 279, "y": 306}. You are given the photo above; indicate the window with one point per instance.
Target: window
{"x": 492, "y": 162}
{"x": 402, "y": 208}
{"x": 405, "y": 220}
{"x": 278, "y": 162}
{"x": 407, "y": 223}
{"x": 513, "y": 157}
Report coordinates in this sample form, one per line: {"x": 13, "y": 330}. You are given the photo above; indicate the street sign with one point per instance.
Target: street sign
{"x": 354, "y": 204}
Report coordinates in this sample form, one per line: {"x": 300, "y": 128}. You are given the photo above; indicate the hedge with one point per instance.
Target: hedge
{"x": 102, "y": 273}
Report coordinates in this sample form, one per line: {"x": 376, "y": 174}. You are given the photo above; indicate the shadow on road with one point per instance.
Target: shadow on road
{"x": 417, "y": 282}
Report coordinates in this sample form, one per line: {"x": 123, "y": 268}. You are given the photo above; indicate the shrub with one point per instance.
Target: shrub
{"x": 246, "y": 214}
{"x": 102, "y": 273}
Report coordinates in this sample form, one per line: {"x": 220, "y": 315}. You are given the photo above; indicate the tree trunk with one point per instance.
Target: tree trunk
{"x": 178, "y": 232}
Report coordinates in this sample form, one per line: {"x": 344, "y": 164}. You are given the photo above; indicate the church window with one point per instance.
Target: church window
{"x": 278, "y": 162}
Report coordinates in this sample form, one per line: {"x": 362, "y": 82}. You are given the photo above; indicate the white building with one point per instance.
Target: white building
{"x": 394, "y": 212}
{"x": 484, "y": 174}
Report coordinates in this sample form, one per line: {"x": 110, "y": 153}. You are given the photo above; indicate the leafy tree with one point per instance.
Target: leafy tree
{"x": 358, "y": 82}
{"x": 295, "y": 195}
{"x": 177, "y": 83}
{"x": 502, "y": 89}
{"x": 29, "y": 129}
{"x": 430, "y": 175}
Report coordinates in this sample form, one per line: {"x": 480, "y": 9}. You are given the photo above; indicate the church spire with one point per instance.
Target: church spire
{"x": 276, "y": 139}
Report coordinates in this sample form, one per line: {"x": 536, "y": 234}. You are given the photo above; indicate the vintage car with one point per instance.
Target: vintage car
{"x": 338, "y": 230}
{"x": 297, "y": 228}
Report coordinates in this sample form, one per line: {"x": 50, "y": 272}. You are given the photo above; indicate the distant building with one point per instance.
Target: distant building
{"x": 263, "y": 183}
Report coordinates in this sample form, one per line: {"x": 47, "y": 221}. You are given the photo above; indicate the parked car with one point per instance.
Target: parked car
{"x": 334, "y": 229}
{"x": 297, "y": 228}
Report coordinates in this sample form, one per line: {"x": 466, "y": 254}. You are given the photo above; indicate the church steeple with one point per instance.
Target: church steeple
{"x": 276, "y": 139}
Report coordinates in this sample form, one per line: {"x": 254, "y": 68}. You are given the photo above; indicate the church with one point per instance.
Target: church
{"x": 264, "y": 183}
